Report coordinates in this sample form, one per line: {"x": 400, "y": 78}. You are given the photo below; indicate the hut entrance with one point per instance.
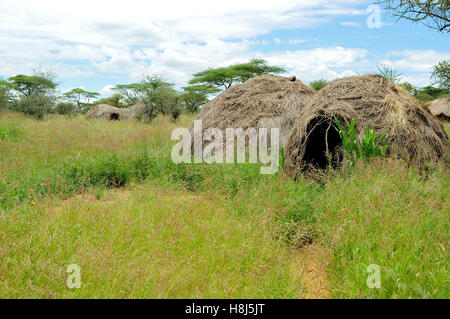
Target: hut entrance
{"x": 114, "y": 117}
{"x": 322, "y": 141}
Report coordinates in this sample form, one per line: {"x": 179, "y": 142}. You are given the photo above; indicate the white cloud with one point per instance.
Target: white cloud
{"x": 107, "y": 90}
{"x": 418, "y": 64}
{"x": 178, "y": 38}
{"x": 326, "y": 63}
{"x": 415, "y": 60}
{"x": 134, "y": 37}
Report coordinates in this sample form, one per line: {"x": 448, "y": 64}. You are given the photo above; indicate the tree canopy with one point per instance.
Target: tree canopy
{"x": 29, "y": 85}
{"x": 433, "y": 13}
{"x": 441, "y": 75}
{"x": 80, "y": 97}
{"x": 158, "y": 95}
{"x": 131, "y": 92}
{"x": 194, "y": 96}
{"x": 225, "y": 77}
{"x": 114, "y": 100}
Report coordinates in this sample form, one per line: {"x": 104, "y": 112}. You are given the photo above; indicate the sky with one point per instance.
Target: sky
{"x": 97, "y": 44}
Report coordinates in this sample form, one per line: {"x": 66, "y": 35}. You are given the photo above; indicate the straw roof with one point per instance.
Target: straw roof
{"x": 108, "y": 112}
{"x": 440, "y": 108}
{"x": 255, "y": 103}
{"x": 374, "y": 102}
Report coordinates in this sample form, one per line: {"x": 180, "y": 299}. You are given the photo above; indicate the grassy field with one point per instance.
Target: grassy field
{"x": 106, "y": 196}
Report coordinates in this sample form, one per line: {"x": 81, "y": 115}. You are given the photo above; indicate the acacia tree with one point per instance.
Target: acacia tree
{"x": 441, "y": 75}
{"x": 29, "y": 85}
{"x": 80, "y": 97}
{"x": 131, "y": 92}
{"x": 159, "y": 96}
{"x": 225, "y": 77}
{"x": 114, "y": 100}
{"x": 34, "y": 94}
{"x": 433, "y": 13}
{"x": 194, "y": 96}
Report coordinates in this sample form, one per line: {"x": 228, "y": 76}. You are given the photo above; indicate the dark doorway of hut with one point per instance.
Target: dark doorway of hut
{"x": 323, "y": 144}
{"x": 114, "y": 117}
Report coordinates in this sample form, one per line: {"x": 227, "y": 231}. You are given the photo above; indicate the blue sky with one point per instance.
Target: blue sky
{"x": 98, "y": 44}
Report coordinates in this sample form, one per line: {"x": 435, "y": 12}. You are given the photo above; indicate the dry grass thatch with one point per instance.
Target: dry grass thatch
{"x": 373, "y": 101}
{"x": 263, "y": 101}
{"x": 440, "y": 108}
{"x": 108, "y": 112}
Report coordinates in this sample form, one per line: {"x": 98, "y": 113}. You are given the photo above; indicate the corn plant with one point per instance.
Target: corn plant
{"x": 365, "y": 148}
{"x": 371, "y": 147}
{"x": 281, "y": 158}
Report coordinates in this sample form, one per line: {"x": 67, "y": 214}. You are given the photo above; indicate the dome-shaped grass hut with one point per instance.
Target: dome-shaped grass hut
{"x": 374, "y": 102}
{"x": 440, "y": 108}
{"x": 264, "y": 101}
{"x": 108, "y": 112}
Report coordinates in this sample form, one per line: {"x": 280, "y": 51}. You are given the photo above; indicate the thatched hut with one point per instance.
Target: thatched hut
{"x": 374, "y": 102}
{"x": 264, "y": 101}
{"x": 440, "y": 108}
{"x": 108, "y": 112}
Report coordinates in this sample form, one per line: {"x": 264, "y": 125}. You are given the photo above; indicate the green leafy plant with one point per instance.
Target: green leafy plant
{"x": 281, "y": 158}
{"x": 365, "y": 148}
{"x": 318, "y": 84}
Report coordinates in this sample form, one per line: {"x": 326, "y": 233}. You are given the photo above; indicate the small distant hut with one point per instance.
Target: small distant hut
{"x": 108, "y": 112}
{"x": 440, "y": 108}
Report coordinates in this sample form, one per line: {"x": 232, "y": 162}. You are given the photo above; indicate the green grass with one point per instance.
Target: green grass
{"x": 106, "y": 196}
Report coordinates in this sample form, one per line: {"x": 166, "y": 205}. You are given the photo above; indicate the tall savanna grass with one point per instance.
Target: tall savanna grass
{"x": 106, "y": 196}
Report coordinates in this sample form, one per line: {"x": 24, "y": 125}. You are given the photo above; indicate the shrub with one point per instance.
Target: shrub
{"x": 65, "y": 108}
{"x": 318, "y": 84}
{"x": 37, "y": 106}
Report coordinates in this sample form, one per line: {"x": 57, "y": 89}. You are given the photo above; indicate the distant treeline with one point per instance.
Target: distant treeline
{"x": 37, "y": 94}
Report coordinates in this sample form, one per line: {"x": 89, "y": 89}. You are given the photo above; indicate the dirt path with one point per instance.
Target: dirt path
{"x": 311, "y": 264}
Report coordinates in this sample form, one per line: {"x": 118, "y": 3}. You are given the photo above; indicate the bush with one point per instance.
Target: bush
{"x": 65, "y": 108}
{"x": 318, "y": 84}
{"x": 430, "y": 93}
{"x": 37, "y": 106}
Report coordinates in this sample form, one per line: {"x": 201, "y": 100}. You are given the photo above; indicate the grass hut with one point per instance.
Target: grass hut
{"x": 108, "y": 112}
{"x": 264, "y": 101}
{"x": 440, "y": 108}
{"x": 374, "y": 102}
